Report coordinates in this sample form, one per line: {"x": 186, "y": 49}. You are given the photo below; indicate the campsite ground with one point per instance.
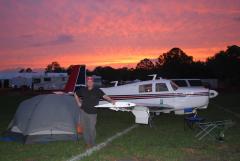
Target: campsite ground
{"x": 165, "y": 141}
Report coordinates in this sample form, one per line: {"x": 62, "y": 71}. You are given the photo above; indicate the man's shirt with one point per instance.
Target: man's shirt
{"x": 90, "y": 98}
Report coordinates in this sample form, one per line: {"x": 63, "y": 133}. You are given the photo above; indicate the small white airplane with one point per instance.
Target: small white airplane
{"x": 156, "y": 95}
{"x": 145, "y": 97}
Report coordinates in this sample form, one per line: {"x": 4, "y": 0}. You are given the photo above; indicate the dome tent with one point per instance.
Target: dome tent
{"x": 45, "y": 118}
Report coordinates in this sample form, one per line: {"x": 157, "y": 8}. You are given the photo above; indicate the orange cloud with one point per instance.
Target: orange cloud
{"x": 116, "y": 33}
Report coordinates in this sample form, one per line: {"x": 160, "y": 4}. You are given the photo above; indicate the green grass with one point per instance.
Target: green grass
{"x": 168, "y": 141}
{"x": 165, "y": 141}
{"x": 229, "y": 100}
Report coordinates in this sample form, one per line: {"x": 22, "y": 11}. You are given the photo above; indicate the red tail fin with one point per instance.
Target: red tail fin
{"x": 77, "y": 77}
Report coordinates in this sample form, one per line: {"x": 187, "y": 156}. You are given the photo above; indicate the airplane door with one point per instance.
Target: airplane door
{"x": 164, "y": 94}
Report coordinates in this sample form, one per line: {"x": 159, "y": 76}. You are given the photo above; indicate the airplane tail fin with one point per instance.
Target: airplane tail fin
{"x": 76, "y": 78}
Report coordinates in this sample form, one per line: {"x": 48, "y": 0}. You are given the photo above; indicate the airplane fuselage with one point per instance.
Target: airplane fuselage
{"x": 161, "y": 92}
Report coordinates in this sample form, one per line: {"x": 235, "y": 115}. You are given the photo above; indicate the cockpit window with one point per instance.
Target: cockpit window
{"x": 145, "y": 88}
{"x": 161, "y": 87}
{"x": 174, "y": 86}
{"x": 180, "y": 83}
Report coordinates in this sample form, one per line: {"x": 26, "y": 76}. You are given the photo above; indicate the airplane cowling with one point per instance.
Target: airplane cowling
{"x": 212, "y": 93}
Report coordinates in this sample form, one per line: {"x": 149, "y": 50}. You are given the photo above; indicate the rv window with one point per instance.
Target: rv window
{"x": 195, "y": 83}
{"x": 161, "y": 87}
{"x": 36, "y": 80}
{"x": 145, "y": 88}
{"x": 180, "y": 83}
{"x": 47, "y": 79}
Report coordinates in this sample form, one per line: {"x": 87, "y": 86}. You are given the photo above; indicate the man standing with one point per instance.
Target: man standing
{"x": 87, "y": 98}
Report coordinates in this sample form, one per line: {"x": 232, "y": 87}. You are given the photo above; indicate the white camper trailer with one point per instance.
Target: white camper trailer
{"x": 50, "y": 81}
{"x": 35, "y": 80}
{"x": 15, "y": 79}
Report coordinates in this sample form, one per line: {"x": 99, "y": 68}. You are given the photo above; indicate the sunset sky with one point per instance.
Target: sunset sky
{"x": 118, "y": 33}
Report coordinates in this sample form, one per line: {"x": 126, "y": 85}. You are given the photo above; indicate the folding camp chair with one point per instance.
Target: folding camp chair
{"x": 191, "y": 120}
{"x": 213, "y": 129}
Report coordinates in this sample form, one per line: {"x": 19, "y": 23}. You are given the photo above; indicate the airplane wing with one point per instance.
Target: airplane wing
{"x": 156, "y": 107}
{"x": 140, "y": 111}
{"x": 118, "y": 106}
{"x": 127, "y": 106}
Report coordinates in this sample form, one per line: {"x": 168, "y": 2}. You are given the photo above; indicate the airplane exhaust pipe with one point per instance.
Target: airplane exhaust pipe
{"x": 212, "y": 93}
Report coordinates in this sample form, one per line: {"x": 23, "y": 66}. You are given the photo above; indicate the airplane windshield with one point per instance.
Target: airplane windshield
{"x": 174, "y": 86}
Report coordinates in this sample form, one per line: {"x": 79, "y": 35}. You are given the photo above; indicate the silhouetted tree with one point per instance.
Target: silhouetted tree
{"x": 145, "y": 64}
{"x": 225, "y": 65}
{"x": 110, "y": 74}
{"x": 21, "y": 70}
{"x": 125, "y": 74}
{"x": 199, "y": 69}
{"x": 54, "y": 67}
{"x": 107, "y": 73}
{"x": 174, "y": 63}
{"x": 144, "y": 68}
{"x": 28, "y": 70}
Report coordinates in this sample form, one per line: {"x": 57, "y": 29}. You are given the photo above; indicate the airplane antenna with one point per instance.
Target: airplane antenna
{"x": 115, "y": 83}
{"x": 154, "y": 76}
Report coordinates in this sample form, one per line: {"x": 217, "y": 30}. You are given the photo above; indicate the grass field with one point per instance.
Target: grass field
{"x": 165, "y": 141}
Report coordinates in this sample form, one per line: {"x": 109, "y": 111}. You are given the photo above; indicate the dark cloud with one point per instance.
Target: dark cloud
{"x": 61, "y": 39}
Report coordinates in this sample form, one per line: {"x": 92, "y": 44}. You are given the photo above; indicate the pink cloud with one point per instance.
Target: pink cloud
{"x": 37, "y": 31}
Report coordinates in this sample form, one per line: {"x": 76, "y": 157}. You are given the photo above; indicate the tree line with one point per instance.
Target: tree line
{"x": 224, "y": 66}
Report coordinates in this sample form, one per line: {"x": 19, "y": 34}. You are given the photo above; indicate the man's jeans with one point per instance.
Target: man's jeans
{"x": 88, "y": 121}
